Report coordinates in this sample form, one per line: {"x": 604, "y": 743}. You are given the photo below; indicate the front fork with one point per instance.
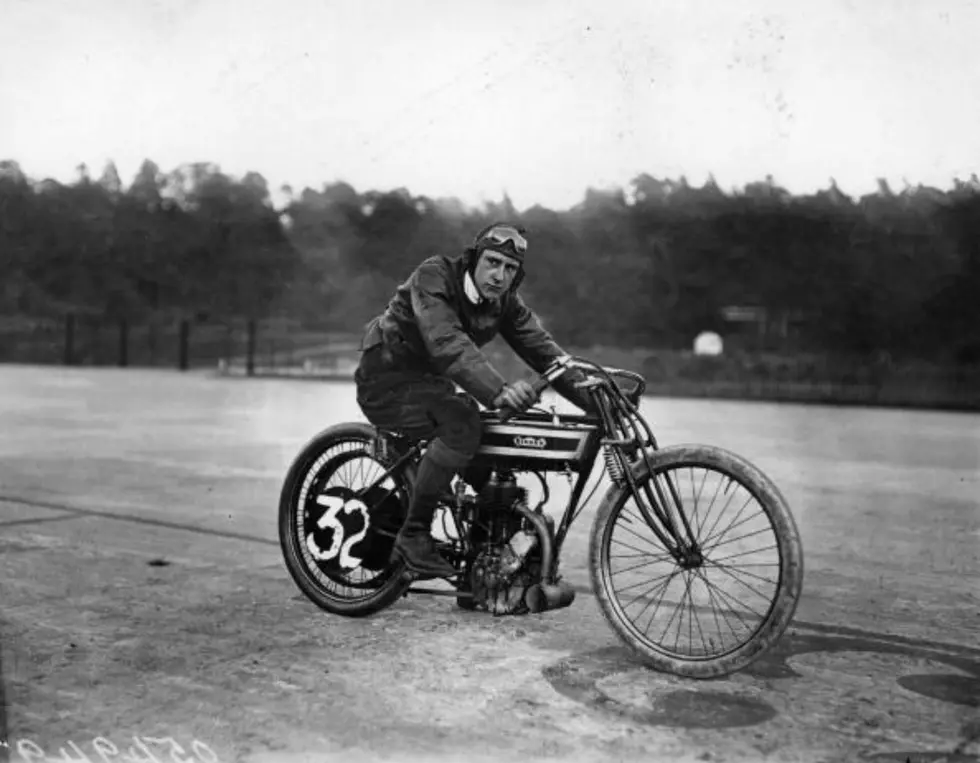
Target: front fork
{"x": 680, "y": 542}
{"x": 655, "y": 505}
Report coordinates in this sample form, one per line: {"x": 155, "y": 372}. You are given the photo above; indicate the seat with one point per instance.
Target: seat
{"x": 391, "y": 444}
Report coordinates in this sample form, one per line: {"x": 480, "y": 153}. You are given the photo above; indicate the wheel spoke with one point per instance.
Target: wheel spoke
{"x": 642, "y": 522}
{"x": 704, "y": 519}
{"x": 680, "y": 609}
{"x": 627, "y": 545}
{"x": 723, "y": 593}
{"x": 735, "y": 540}
{"x": 640, "y": 537}
{"x": 727, "y": 503}
{"x": 714, "y": 598}
{"x": 645, "y": 582}
{"x": 734, "y": 523}
{"x": 711, "y": 598}
{"x": 680, "y": 620}
{"x": 649, "y": 600}
{"x": 634, "y": 567}
{"x": 663, "y": 593}
{"x": 697, "y": 515}
{"x": 704, "y": 644}
{"x": 735, "y": 566}
{"x": 634, "y": 556}
{"x": 748, "y": 553}
{"x": 738, "y": 580}
{"x": 641, "y": 552}
{"x": 671, "y": 620}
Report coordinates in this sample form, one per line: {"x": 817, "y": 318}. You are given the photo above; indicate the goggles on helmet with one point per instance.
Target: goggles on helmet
{"x": 501, "y": 236}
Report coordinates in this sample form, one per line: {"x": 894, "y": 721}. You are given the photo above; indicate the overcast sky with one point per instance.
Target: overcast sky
{"x": 541, "y": 98}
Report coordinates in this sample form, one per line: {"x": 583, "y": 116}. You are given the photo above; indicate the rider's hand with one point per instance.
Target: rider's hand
{"x": 517, "y": 396}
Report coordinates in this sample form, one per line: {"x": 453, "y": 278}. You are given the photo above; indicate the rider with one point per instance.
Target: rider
{"x": 428, "y": 341}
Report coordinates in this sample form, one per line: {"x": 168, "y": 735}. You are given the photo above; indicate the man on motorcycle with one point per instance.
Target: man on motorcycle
{"x": 428, "y": 341}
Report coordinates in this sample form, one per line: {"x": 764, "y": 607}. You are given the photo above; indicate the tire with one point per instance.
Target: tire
{"x": 366, "y": 597}
{"x": 782, "y": 606}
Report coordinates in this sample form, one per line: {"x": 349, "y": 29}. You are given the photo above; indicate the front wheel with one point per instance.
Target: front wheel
{"x": 336, "y": 536}
{"x": 716, "y": 603}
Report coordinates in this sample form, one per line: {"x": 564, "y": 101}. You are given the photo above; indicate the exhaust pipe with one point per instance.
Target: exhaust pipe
{"x": 549, "y": 593}
{"x": 542, "y": 597}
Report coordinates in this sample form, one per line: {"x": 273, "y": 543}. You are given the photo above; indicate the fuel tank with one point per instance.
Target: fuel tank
{"x": 536, "y": 441}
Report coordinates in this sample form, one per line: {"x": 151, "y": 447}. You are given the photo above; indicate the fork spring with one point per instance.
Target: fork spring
{"x": 613, "y": 465}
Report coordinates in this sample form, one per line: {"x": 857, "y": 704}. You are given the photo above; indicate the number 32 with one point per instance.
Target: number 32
{"x": 334, "y": 506}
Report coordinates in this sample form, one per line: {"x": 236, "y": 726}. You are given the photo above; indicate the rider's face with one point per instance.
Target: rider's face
{"x": 494, "y": 273}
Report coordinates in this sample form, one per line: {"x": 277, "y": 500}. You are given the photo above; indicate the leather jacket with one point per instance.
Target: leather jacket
{"x": 431, "y": 326}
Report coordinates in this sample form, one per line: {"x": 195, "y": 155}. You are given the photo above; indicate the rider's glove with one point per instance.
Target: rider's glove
{"x": 518, "y": 396}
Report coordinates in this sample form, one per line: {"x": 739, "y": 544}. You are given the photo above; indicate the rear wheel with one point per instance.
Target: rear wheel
{"x": 335, "y": 538}
{"x": 729, "y": 596}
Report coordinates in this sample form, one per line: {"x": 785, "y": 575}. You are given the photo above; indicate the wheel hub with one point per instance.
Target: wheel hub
{"x": 690, "y": 558}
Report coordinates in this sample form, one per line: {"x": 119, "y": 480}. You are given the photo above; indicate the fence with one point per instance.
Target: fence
{"x": 285, "y": 348}
{"x": 88, "y": 341}
{"x": 840, "y": 381}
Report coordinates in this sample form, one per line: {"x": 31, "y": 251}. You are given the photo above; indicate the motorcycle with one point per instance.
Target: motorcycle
{"x": 656, "y": 538}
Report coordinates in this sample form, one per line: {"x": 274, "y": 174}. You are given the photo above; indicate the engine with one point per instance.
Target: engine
{"x": 506, "y": 559}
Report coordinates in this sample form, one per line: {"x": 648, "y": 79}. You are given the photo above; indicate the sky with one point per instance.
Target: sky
{"x": 539, "y": 99}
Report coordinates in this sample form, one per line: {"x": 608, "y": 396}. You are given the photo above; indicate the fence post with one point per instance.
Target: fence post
{"x": 185, "y": 331}
{"x": 69, "y": 339}
{"x": 250, "y": 351}
{"x": 123, "y": 343}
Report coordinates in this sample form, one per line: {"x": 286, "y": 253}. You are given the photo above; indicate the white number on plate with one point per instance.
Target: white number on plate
{"x": 338, "y": 544}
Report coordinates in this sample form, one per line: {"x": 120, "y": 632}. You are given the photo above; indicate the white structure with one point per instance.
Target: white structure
{"x": 708, "y": 343}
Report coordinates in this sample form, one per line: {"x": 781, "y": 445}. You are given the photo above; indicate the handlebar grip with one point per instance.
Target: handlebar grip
{"x": 539, "y": 385}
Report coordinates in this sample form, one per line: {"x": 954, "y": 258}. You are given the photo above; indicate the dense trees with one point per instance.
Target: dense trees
{"x": 191, "y": 242}
{"x": 886, "y": 274}
{"x": 651, "y": 265}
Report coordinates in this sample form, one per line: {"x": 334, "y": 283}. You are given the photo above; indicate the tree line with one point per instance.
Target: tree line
{"x": 188, "y": 243}
{"x": 651, "y": 265}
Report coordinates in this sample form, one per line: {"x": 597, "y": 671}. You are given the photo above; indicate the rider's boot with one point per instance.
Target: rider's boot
{"x": 414, "y": 543}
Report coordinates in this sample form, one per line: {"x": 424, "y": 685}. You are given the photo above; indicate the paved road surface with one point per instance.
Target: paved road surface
{"x": 144, "y": 597}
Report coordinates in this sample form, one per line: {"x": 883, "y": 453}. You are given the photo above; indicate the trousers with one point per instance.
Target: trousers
{"x": 421, "y": 406}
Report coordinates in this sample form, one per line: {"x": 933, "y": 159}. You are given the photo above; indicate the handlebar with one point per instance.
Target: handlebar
{"x": 558, "y": 368}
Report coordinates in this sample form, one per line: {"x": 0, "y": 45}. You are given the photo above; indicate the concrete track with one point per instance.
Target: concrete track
{"x": 143, "y": 600}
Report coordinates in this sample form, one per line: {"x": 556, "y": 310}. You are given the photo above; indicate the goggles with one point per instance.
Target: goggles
{"x": 503, "y": 235}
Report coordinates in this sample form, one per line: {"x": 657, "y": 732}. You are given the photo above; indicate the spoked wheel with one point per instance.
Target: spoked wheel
{"x": 717, "y": 602}
{"x": 336, "y": 538}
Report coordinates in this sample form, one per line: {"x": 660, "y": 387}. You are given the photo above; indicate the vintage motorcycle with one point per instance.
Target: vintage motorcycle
{"x": 658, "y": 539}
